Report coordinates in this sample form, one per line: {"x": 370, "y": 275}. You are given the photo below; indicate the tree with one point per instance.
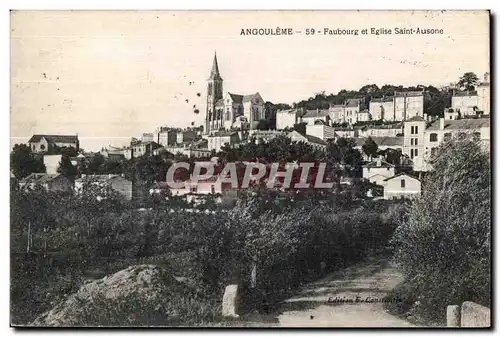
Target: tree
{"x": 263, "y": 125}
{"x": 468, "y": 81}
{"x": 23, "y": 162}
{"x": 66, "y": 168}
{"x": 300, "y": 128}
{"x": 444, "y": 244}
{"x": 370, "y": 147}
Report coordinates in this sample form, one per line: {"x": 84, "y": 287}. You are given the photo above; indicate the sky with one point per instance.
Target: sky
{"x": 111, "y": 75}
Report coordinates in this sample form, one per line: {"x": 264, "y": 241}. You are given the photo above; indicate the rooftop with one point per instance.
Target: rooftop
{"x": 416, "y": 119}
{"x": 408, "y": 93}
{"x": 98, "y": 178}
{"x": 401, "y": 175}
{"x": 242, "y": 98}
{"x": 54, "y": 139}
{"x": 316, "y": 113}
{"x": 464, "y": 93}
{"x": 39, "y": 178}
{"x": 461, "y": 124}
{"x": 382, "y": 99}
{"x": 382, "y": 141}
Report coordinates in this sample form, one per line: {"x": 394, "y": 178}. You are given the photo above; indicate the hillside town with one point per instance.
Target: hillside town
{"x": 167, "y": 171}
{"x": 398, "y": 125}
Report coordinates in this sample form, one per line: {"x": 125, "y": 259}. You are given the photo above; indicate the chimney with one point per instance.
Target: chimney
{"x": 379, "y": 161}
{"x": 441, "y": 123}
{"x": 425, "y": 118}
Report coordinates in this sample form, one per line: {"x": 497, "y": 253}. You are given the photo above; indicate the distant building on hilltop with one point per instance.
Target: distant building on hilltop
{"x": 223, "y": 110}
{"x": 473, "y": 102}
{"x": 43, "y": 143}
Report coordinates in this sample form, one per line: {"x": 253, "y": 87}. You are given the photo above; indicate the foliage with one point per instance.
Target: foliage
{"x": 288, "y": 242}
{"x": 370, "y": 147}
{"x": 66, "y": 168}
{"x": 63, "y": 150}
{"x": 23, "y": 162}
{"x": 444, "y": 244}
{"x": 300, "y": 128}
{"x": 468, "y": 81}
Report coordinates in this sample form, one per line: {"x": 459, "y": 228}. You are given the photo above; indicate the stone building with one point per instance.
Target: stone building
{"x": 49, "y": 182}
{"x": 400, "y": 107}
{"x": 223, "y": 110}
{"x": 43, "y": 143}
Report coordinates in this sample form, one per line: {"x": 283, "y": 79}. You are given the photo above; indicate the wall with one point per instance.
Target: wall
{"x": 468, "y": 315}
{"x": 122, "y": 186}
{"x": 41, "y": 146}
{"x": 51, "y": 163}
{"x": 323, "y": 132}
{"x": 375, "y": 132}
{"x": 474, "y": 315}
{"x": 410, "y": 139}
{"x": 465, "y": 104}
{"x": 312, "y": 120}
{"x": 386, "y": 172}
{"x": 382, "y": 110}
{"x": 392, "y": 188}
{"x": 60, "y": 184}
{"x": 483, "y": 92}
{"x": 285, "y": 119}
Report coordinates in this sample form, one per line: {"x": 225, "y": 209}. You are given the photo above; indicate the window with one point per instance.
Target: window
{"x": 416, "y": 129}
{"x": 412, "y": 130}
{"x": 33, "y": 147}
{"x": 416, "y": 141}
{"x": 403, "y": 183}
{"x": 213, "y": 189}
{"x": 227, "y": 115}
{"x": 433, "y": 137}
{"x": 411, "y": 141}
{"x": 416, "y": 152}
{"x": 433, "y": 151}
{"x": 411, "y": 153}
{"x": 42, "y": 147}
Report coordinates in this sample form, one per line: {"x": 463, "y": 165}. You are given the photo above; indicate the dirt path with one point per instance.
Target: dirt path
{"x": 325, "y": 303}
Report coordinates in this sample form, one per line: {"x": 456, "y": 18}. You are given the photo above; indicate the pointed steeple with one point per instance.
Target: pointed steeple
{"x": 214, "y": 74}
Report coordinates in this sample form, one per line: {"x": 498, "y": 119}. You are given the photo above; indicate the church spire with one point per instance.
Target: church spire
{"x": 214, "y": 74}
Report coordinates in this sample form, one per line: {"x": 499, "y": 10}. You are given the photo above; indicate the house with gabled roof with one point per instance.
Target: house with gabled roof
{"x": 49, "y": 182}
{"x": 315, "y": 142}
{"x": 377, "y": 171}
{"x": 103, "y": 184}
{"x": 402, "y": 186}
{"x": 312, "y": 116}
{"x": 43, "y": 143}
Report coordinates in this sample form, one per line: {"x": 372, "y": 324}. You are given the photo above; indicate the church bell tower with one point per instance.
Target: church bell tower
{"x": 213, "y": 119}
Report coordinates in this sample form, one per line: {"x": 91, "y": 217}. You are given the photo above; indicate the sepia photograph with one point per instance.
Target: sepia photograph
{"x": 250, "y": 168}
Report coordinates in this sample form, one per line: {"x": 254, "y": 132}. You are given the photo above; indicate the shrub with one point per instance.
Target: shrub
{"x": 444, "y": 244}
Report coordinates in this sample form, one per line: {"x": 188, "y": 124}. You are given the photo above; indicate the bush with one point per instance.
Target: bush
{"x": 444, "y": 244}
{"x": 289, "y": 245}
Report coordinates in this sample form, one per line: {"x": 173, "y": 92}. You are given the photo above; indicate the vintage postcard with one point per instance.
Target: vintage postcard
{"x": 250, "y": 168}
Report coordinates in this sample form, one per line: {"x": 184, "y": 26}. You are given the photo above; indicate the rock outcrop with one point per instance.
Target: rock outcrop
{"x": 138, "y": 295}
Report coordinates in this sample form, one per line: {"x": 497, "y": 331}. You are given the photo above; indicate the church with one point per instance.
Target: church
{"x": 230, "y": 111}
